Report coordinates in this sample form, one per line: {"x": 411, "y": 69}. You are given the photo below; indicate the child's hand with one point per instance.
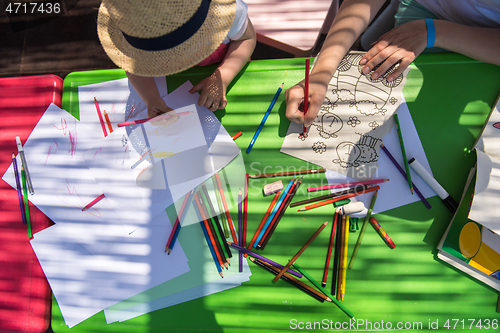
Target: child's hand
{"x": 157, "y": 107}
{"x": 213, "y": 92}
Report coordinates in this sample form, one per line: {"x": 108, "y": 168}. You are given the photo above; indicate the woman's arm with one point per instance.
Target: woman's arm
{"x": 406, "y": 42}
{"x": 351, "y": 20}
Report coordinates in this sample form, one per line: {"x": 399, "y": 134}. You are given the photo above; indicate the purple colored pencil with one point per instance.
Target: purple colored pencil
{"x": 393, "y": 160}
{"x": 18, "y": 186}
{"x": 269, "y": 261}
{"x": 240, "y": 229}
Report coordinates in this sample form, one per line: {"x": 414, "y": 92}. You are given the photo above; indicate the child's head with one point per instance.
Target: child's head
{"x": 162, "y": 37}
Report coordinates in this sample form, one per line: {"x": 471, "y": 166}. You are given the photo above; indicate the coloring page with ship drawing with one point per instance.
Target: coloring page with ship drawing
{"x": 356, "y": 114}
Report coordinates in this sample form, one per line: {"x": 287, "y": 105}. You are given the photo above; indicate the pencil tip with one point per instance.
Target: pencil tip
{"x": 301, "y": 209}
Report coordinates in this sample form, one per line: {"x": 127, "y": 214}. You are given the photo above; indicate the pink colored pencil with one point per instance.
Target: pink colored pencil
{"x": 93, "y": 202}
{"x": 145, "y": 120}
{"x": 100, "y": 117}
{"x": 334, "y": 186}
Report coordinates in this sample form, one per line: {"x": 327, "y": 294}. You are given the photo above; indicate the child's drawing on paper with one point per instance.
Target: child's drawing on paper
{"x": 348, "y": 130}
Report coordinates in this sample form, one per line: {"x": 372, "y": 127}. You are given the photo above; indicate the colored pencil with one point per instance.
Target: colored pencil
{"x": 382, "y": 233}
{"x": 403, "y": 151}
{"x": 20, "y": 150}
{"x": 216, "y": 222}
{"x": 302, "y": 249}
{"x": 336, "y": 255}
{"x": 237, "y": 135}
{"x": 100, "y": 117}
{"x": 209, "y": 242}
{"x": 26, "y": 202}
{"x": 273, "y": 212}
{"x": 185, "y": 203}
{"x": 240, "y": 229}
{"x": 280, "y": 214}
{"x": 334, "y": 186}
{"x": 329, "y": 250}
{"x": 221, "y": 207}
{"x": 255, "y": 255}
{"x": 145, "y": 120}
{"x": 350, "y": 195}
{"x": 93, "y": 202}
{"x": 18, "y": 186}
{"x": 217, "y": 249}
{"x": 331, "y": 195}
{"x": 340, "y": 271}
{"x": 344, "y": 258}
{"x": 266, "y": 115}
{"x": 293, "y": 281}
{"x": 323, "y": 290}
{"x": 288, "y": 173}
{"x": 226, "y": 209}
{"x": 306, "y": 95}
{"x": 264, "y": 219}
{"x": 108, "y": 122}
{"x": 245, "y": 213}
{"x": 396, "y": 164}
{"x": 270, "y": 229}
{"x": 362, "y": 231}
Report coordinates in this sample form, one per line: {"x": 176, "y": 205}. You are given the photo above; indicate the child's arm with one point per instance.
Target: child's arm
{"x": 406, "y": 42}
{"x": 213, "y": 95}
{"x": 148, "y": 91}
{"x": 351, "y": 20}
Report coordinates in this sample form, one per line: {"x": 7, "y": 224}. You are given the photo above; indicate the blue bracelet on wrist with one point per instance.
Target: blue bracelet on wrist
{"x": 431, "y": 32}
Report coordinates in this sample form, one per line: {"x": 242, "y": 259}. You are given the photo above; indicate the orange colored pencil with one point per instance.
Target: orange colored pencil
{"x": 237, "y": 135}
{"x": 263, "y": 222}
{"x": 302, "y": 249}
{"x": 350, "y": 195}
{"x": 108, "y": 122}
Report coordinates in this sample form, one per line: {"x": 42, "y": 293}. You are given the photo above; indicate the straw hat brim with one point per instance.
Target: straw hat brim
{"x": 204, "y": 42}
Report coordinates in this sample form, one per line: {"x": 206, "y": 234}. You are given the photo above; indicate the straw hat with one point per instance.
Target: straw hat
{"x": 162, "y": 37}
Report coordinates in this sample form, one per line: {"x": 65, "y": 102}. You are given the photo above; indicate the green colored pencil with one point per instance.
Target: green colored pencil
{"x": 405, "y": 160}
{"x": 26, "y": 202}
{"x": 323, "y": 290}
{"x": 362, "y": 231}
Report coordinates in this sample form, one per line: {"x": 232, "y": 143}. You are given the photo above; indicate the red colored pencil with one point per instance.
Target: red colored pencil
{"x": 350, "y": 195}
{"x": 100, "y": 117}
{"x": 108, "y": 122}
{"x": 330, "y": 247}
{"x": 306, "y": 93}
{"x": 93, "y": 202}
{"x": 237, "y": 135}
{"x": 176, "y": 224}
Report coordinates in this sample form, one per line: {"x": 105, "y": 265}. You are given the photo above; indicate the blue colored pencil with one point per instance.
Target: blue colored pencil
{"x": 275, "y": 209}
{"x": 18, "y": 186}
{"x": 265, "y": 118}
{"x": 209, "y": 243}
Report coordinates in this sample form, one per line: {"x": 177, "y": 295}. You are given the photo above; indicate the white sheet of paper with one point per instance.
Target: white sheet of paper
{"x": 205, "y": 148}
{"x": 202, "y": 280}
{"x": 347, "y": 132}
{"x": 397, "y": 184}
{"x": 485, "y": 209}
{"x": 84, "y": 284}
{"x": 63, "y": 185}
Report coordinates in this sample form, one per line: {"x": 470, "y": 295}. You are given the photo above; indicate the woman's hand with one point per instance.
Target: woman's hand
{"x": 402, "y": 44}
{"x": 295, "y": 100}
